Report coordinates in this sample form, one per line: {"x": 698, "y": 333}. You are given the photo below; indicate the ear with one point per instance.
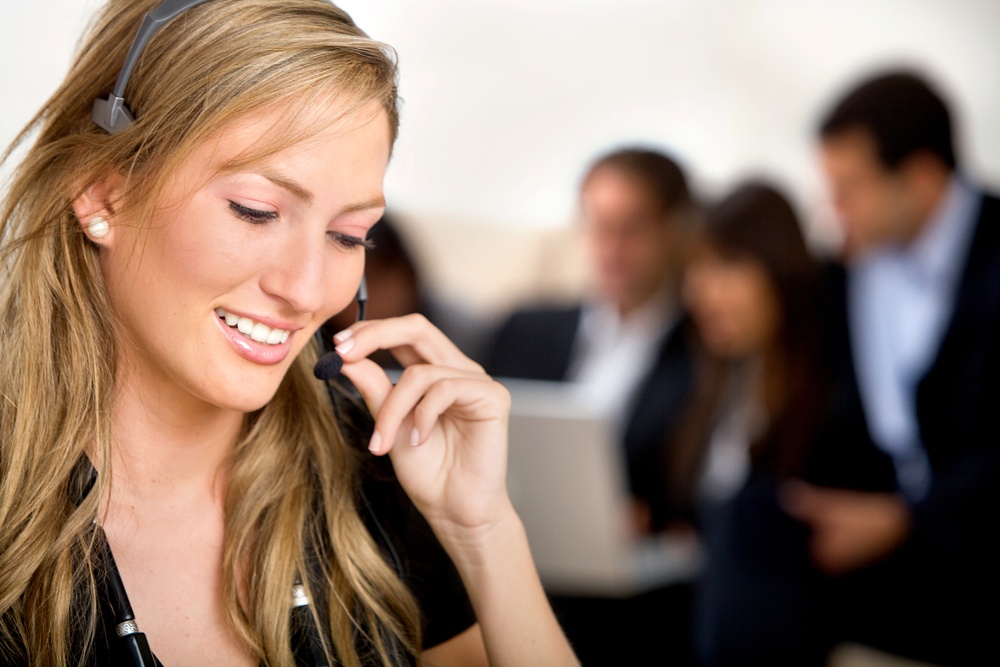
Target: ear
{"x": 924, "y": 172}
{"x": 99, "y": 199}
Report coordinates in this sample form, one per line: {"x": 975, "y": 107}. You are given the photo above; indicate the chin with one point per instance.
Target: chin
{"x": 721, "y": 346}
{"x": 245, "y": 402}
{"x": 245, "y": 394}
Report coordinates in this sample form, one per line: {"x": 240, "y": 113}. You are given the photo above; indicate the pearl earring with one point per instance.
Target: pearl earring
{"x": 98, "y": 227}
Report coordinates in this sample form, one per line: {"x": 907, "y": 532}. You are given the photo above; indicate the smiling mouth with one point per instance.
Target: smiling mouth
{"x": 255, "y": 331}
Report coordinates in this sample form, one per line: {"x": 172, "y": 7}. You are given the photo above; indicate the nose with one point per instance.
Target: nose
{"x": 296, "y": 272}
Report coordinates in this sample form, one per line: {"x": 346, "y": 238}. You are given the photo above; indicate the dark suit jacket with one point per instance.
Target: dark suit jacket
{"x": 951, "y": 555}
{"x": 958, "y": 404}
{"x": 537, "y": 343}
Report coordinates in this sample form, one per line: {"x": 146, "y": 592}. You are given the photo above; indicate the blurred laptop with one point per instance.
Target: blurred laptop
{"x": 567, "y": 479}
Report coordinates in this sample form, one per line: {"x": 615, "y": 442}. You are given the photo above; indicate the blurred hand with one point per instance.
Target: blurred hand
{"x": 444, "y": 422}
{"x": 640, "y": 518}
{"x": 850, "y": 529}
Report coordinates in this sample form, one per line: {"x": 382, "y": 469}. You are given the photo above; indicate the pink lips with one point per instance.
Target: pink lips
{"x": 259, "y": 353}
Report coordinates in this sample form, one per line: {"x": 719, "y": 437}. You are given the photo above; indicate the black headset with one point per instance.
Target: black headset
{"x": 111, "y": 113}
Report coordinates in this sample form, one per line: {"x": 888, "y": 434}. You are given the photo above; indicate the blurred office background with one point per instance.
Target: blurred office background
{"x": 505, "y": 101}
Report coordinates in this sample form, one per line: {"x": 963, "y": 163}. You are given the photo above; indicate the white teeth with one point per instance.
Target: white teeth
{"x": 254, "y": 330}
{"x": 260, "y": 332}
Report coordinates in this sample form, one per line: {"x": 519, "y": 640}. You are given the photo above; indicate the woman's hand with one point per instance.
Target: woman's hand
{"x": 444, "y": 422}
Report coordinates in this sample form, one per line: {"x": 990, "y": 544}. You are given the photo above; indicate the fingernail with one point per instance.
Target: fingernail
{"x": 345, "y": 346}
{"x": 415, "y": 437}
{"x": 341, "y": 336}
{"x": 375, "y": 444}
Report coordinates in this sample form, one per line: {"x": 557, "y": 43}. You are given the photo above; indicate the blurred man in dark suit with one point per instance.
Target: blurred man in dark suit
{"x": 629, "y": 339}
{"x": 906, "y": 480}
{"x": 630, "y": 342}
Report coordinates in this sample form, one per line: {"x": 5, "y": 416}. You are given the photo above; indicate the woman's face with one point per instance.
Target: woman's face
{"x": 226, "y": 283}
{"x": 732, "y": 301}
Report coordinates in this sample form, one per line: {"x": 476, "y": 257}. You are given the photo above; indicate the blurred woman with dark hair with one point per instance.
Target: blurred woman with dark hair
{"x": 752, "y": 289}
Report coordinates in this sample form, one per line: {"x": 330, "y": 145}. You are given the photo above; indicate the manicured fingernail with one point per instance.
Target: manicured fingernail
{"x": 415, "y": 437}
{"x": 375, "y": 444}
{"x": 345, "y": 346}
{"x": 341, "y": 336}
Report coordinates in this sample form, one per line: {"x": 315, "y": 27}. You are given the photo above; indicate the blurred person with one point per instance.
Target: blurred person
{"x": 397, "y": 286}
{"x": 630, "y": 342}
{"x": 629, "y": 339}
{"x": 903, "y": 498}
{"x": 752, "y": 288}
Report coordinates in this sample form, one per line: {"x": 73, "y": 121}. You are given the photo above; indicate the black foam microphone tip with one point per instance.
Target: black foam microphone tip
{"x": 328, "y": 366}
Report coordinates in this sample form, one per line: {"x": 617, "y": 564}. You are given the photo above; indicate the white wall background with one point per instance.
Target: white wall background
{"x": 505, "y": 101}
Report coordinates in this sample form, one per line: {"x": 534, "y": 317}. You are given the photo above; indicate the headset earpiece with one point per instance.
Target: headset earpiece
{"x": 112, "y": 114}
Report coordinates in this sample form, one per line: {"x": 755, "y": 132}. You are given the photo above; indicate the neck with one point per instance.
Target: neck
{"x": 629, "y": 305}
{"x": 164, "y": 445}
{"x": 930, "y": 198}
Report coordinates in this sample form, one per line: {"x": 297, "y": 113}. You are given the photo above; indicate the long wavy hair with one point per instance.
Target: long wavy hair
{"x": 293, "y": 483}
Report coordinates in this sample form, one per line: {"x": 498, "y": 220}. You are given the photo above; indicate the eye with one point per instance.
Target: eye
{"x": 349, "y": 242}
{"x": 252, "y": 215}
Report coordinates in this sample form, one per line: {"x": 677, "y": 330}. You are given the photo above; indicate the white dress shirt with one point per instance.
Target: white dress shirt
{"x": 900, "y": 301}
{"x": 739, "y": 421}
{"x": 612, "y": 354}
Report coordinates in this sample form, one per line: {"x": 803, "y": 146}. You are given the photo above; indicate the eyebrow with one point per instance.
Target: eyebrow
{"x": 305, "y": 195}
{"x": 374, "y": 202}
{"x": 285, "y": 183}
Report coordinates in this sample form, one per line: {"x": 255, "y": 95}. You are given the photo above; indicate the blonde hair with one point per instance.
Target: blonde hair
{"x": 293, "y": 480}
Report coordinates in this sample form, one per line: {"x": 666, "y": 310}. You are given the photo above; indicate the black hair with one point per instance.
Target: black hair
{"x": 756, "y": 221}
{"x": 901, "y": 112}
{"x": 658, "y": 173}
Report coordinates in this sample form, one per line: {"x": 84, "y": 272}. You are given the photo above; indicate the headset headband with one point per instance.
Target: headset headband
{"x": 111, "y": 113}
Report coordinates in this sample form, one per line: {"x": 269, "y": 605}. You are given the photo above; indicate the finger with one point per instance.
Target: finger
{"x": 800, "y": 499}
{"x": 394, "y": 421}
{"x": 374, "y": 386}
{"x": 411, "y": 338}
{"x": 475, "y": 398}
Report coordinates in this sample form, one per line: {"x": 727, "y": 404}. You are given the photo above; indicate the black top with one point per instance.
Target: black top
{"x": 400, "y": 531}
{"x": 408, "y": 545}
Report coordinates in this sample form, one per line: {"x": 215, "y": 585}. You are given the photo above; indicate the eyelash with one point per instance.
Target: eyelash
{"x": 257, "y": 217}
{"x": 349, "y": 242}
{"x": 252, "y": 215}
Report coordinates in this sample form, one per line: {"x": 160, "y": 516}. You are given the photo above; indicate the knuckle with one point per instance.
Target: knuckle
{"x": 418, "y": 373}
{"x": 503, "y": 394}
{"x": 416, "y": 320}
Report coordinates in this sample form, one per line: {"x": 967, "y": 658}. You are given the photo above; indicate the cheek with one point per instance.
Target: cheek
{"x": 877, "y": 210}
{"x": 342, "y": 281}
{"x": 205, "y": 260}
{"x": 761, "y": 313}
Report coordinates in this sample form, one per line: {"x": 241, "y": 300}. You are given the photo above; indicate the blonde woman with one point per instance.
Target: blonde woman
{"x": 173, "y": 479}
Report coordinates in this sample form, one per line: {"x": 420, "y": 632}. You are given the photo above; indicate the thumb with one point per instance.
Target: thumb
{"x": 374, "y": 386}
{"x": 798, "y": 499}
